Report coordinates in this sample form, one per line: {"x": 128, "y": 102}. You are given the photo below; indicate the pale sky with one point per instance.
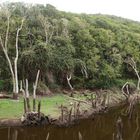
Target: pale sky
{"x": 125, "y": 8}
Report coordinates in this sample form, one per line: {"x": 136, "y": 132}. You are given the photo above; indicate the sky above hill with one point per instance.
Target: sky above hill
{"x": 124, "y": 8}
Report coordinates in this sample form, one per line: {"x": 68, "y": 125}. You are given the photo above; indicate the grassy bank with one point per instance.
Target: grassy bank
{"x": 14, "y": 109}
{"x": 51, "y": 105}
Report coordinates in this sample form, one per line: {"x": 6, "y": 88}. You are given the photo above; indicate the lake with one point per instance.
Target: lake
{"x": 101, "y": 127}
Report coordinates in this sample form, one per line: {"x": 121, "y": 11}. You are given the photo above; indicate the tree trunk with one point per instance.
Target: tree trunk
{"x": 138, "y": 84}
{"x": 14, "y": 72}
{"x": 16, "y": 59}
{"x": 68, "y": 80}
{"x": 34, "y": 91}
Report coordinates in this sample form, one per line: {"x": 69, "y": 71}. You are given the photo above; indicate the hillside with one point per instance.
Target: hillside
{"x": 91, "y": 49}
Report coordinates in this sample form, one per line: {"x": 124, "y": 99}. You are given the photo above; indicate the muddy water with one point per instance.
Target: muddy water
{"x": 102, "y": 127}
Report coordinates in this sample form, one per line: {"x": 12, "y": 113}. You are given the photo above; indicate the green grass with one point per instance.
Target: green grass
{"x": 14, "y": 109}
{"x": 49, "y": 105}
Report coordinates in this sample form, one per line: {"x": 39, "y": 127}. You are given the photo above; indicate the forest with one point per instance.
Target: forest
{"x": 72, "y": 51}
{"x": 61, "y": 69}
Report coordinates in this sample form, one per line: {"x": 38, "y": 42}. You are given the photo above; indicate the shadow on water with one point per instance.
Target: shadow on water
{"x": 114, "y": 125}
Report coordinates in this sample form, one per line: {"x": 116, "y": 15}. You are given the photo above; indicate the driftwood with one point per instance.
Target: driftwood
{"x": 4, "y": 96}
{"x": 127, "y": 93}
{"x": 62, "y": 113}
{"x": 131, "y": 99}
{"x": 92, "y": 101}
{"x": 78, "y": 100}
{"x": 132, "y": 63}
{"x": 69, "y": 115}
{"x": 31, "y": 118}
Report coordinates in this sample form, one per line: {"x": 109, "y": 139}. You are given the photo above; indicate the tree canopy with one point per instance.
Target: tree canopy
{"x": 92, "y": 48}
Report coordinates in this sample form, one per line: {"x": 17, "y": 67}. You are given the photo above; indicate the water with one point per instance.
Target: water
{"x": 102, "y": 127}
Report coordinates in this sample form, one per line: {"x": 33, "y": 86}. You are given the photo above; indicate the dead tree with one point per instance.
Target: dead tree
{"x": 132, "y": 63}
{"x": 27, "y": 96}
{"x": 68, "y": 81}
{"x": 62, "y": 113}
{"x": 131, "y": 99}
{"x": 32, "y": 117}
{"x": 70, "y": 116}
{"x": 39, "y": 107}
{"x": 127, "y": 93}
{"x": 16, "y": 58}
{"x": 34, "y": 91}
{"x": 84, "y": 70}
{"x": 4, "y": 45}
{"x": 48, "y": 28}
{"x": 92, "y": 101}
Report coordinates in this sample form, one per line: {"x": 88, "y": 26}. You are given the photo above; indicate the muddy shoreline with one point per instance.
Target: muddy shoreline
{"x": 88, "y": 114}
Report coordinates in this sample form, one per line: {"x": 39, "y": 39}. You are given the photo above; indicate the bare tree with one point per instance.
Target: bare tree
{"x": 16, "y": 58}
{"x": 84, "y": 70}
{"x": 132, "y": 63}
{"x": 68, "y": 80}
{"x": 4, "y": 45}
{"x": 34, "y": 90}
{"x": 48, "y": 28}
{"x": 127, "y": 90}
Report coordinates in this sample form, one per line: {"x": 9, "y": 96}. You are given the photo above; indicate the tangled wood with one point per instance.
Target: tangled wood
{"x": 132, "y": 99}
{"x": 32, "y": 117}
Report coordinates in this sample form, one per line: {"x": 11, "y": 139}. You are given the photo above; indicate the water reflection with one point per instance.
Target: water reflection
{"x": 102, "y": 127}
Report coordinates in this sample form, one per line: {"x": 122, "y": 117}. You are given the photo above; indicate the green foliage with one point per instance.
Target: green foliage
{"x": 1, "y": 84}
{"x": 91, "y": 48}
{"x": 5, "y": 84}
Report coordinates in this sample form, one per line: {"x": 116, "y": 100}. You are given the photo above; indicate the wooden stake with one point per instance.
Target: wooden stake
{"x": 39, "y": 106}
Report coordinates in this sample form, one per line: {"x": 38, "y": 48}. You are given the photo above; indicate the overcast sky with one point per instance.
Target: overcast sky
{"x": 125, "y": 8}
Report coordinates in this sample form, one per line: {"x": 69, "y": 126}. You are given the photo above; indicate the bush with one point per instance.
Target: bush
{"x": 120, "y": 82}
{"x": 6, "y": 85}
{"x": 78, "y": 82}
{"x": 54, "y": 87}
{"x": 42, "y": 89}
{"x": 1, "y": 84}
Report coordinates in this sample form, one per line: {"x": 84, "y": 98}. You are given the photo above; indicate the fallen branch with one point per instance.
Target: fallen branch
{"x": 126, "y": 95}
{"x": 78, "y": 100}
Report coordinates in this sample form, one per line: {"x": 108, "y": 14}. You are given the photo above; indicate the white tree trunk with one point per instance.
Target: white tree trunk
{"x": 16, "y": 59}
{"x": 35, "y": 85}
{"x": 4, "y": 48}
{"x": 4, "y": 45}
{"x": 138, "y": 84}
{"x": 68, "y": 80}
{"x": 133, "y": 65}
{"x": 26, "y": 88}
